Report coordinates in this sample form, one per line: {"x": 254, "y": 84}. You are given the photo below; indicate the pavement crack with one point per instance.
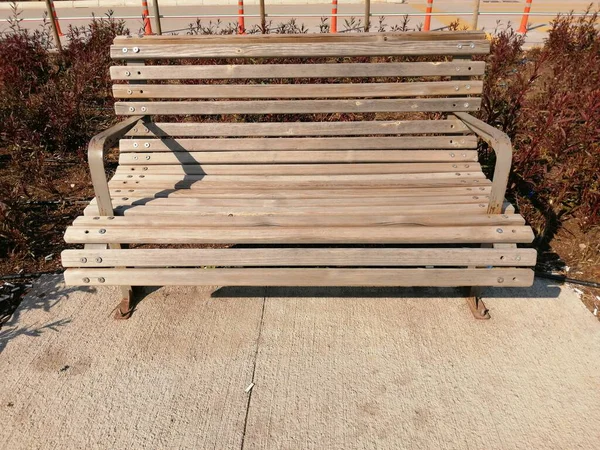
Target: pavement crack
{"x": 260, "y": 327}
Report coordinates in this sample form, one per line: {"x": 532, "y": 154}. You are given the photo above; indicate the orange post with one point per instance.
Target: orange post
{"x": 55, "y": 18}
{"x": 333, "y": 28}
{"x": 241, "y": 24}
{"x": 428, "y": 15}
{"x": 146, "y": 18}
{"x": 525, "y": 19}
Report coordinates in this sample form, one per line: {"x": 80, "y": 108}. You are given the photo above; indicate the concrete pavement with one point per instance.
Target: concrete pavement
{"x": 332, "y": 368}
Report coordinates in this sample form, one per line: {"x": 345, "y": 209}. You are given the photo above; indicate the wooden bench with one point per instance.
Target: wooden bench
{"x": 349, "y": 161}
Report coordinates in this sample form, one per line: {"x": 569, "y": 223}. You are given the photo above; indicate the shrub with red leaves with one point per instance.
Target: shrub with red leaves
{"x": 548, "y": 101}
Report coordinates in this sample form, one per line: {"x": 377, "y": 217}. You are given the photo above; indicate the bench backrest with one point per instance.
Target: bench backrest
{"x": 320, "y": 73}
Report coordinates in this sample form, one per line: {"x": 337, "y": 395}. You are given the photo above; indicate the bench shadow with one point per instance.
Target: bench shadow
{"x": 46, "y": 293}
{"x": 541, "y": 289}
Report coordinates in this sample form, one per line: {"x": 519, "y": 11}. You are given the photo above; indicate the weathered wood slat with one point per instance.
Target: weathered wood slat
{"x": 254, "y": 71}
{"x": 257, "y": 257}
{"x": 265, "y": 91}
{"x": 307, "y": 38}
{"x": 400, "y": 208}
{"x": 266, "y": 49}
{"x": 146, "y": 145}
{"x": 183, "y": 210}
{"x": 301, "y": 277}
{"x": 330, "y": 179}
{"x": 302, "y": 204}
{"x": 194, "y": 182}
{"x": 290, "y": 129}
{"x": 297, "y": 220}
{"x": 224, "y": 193}
{"x": 457, "y": 158}
{"x": 298, "y": 106}
{"x": 297, "y": 169}
{"x": 300, "y": 235}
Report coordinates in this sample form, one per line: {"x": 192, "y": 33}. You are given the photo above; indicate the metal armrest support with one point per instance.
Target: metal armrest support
{"x": 501, "y": 145}
{"x": 96, "y": 148}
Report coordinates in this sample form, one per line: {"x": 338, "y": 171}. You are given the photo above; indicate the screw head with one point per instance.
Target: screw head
{"x": 135, "y": 145}
{"x": 147, "y": 145}
{"x": 145, "y": 130}
{"x": 518, "y": 258}
{"x": 454, "y": 165}
{"x": 101, "y": 231}
{"x": 500, "y": 280}
{"x": 111, "y": 218}
{"x": 147, "y": 157}
{"x": 135, "y": 157}
{"x": 129, "y": 91}
{"x": 83, "y": 260}
{"x": 86, "y": 280}
{"x": 467, "y": 87}
{"x": 131, "y": 108}
{"x": 98, "y": 260}
{"x": 127, "y": 74}
{"x": 452, "y": 155}
{"x": 456, "y": 88}
{"x": 459, "y": 46}
{"x": 136, "y": 50}
{"x": 499, "y": 230}
{"x": 472, "y": 45}
{"x": 143, "y": 108}
{"x": 101, "y": 280}
{"x": 124, "y": 50}
{"x": 466, "y": 105}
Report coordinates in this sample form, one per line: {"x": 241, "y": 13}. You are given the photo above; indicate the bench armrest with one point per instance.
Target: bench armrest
{"x": 96, "y": 149}
{"x": 500, "y": 143}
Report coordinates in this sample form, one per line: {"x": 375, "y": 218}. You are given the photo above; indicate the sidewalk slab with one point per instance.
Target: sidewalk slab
{"x": 332, "y": 368}
{"x": 173, "y": 376}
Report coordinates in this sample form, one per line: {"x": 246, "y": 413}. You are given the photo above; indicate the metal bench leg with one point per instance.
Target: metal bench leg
{"x": 127, "y": 305}
{"x": 476, "y": 304}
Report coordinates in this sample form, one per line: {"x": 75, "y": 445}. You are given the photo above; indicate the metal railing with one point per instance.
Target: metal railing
{"x": 155, "y": 17}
